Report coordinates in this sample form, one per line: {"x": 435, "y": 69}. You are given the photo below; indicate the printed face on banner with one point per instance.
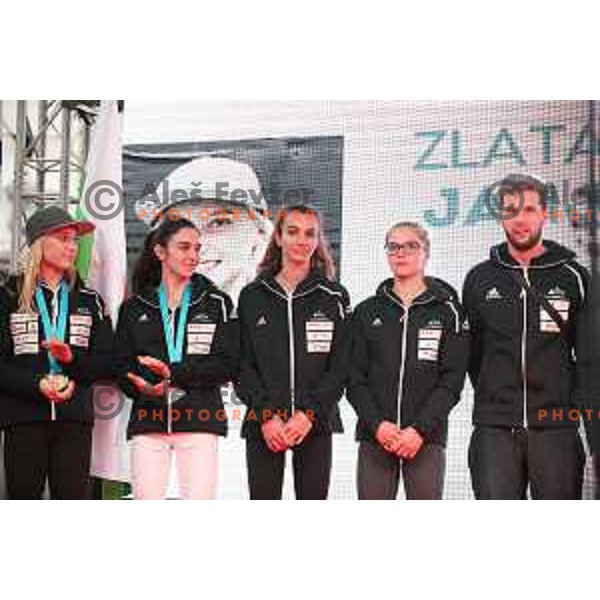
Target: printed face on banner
{"x": 232, "y": 243}
{"x": 234, "y": 198}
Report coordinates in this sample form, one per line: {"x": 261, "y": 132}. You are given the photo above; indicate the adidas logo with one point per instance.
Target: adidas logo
{"x": 261, "y": 321}
{"x": 557, "y": 292}
{"x": 493, "y": 294}
{"x": 377, "y": 322}
{"x": 201, "y": 317}
{"x": 318, "y": 315}
{"x": 144, "y": 318}
{"x": 435, "y": 323}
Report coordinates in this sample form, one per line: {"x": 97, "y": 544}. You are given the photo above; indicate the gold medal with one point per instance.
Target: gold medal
{"x": 59, "y": 381}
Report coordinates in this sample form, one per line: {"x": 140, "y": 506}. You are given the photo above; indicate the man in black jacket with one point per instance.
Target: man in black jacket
{"x": 532, "y": 357}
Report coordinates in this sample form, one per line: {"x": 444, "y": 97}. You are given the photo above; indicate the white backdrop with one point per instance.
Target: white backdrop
{"x": 401, "y": 159}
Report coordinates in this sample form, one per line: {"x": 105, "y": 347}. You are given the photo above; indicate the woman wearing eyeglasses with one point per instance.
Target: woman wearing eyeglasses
{"x": 408, "y": 368}
{"x": 55, "y": 342}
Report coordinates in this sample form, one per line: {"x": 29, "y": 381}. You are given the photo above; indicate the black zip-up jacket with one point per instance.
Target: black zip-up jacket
{"x": 24, "y": 362}
{"x": 210, "y": 359}
{"x": 295, "y": 351}
{"x": 408, "y": 364}
{"x": 522, "y": 367}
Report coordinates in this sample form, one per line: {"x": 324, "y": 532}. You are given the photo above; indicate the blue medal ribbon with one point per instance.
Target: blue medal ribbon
{"x": 174, "y": 345}
{"x": 50, "y": 331}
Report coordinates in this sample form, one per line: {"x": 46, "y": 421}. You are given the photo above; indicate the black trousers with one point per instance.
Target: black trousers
{"x": 378, "y": 473}
{"x": 51, "y": 450}
{"x": 311, "y": 463}
{"x": 504, "y": 462}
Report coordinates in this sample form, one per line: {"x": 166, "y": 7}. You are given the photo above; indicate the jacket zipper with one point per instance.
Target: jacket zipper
{"x": 169, "y": 422}
{"x": 290, "y": 316}
{"x": 403, "y": 350}
{"x": 524, "y": 347}
{"x": 292, "y": 349}
{"x": 402, "y": 364}
{"x": 169, "y": 418}
{"x": 54, "y": 319}
{"x": 172, "y": 316}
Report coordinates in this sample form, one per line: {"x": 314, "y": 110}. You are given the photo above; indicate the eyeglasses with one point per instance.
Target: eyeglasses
{"x": 409, "y": 248}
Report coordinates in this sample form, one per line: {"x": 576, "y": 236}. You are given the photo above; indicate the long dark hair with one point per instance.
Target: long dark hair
{"x": 148, "y": 269}
{"x": 321, "y": 259}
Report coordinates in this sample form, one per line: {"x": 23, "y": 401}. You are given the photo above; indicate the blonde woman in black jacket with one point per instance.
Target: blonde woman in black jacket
{"x": 55, "y": 342}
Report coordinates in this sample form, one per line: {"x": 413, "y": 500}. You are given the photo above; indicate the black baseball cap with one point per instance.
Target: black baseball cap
{"x": 51, "y": 218}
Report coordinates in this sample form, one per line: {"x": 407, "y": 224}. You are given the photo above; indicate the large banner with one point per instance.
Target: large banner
{"x": 286, "y": 171}
{"x": 431, "y": 162}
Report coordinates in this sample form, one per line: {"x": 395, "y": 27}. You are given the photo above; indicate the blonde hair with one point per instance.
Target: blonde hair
{"x": 419, "y": 230}
{"x": 30, "y": 263}
{"x": 321, "y": 260}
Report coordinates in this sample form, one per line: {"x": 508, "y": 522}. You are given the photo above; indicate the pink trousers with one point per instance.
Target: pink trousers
{"x": 195, "y": 458}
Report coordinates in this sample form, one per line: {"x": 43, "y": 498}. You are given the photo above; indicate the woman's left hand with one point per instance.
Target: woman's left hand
{"x": 298, "y": 427}
{"x": 158, "y": 367}
{"x": 411, "y": 441}
{"x": 59, "y": 350}
{"x": 57, "y": 388}
{"x": 147, "y": 389}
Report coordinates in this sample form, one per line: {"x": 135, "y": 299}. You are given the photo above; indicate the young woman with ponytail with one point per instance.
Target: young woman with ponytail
{"x": 295, "y": 332}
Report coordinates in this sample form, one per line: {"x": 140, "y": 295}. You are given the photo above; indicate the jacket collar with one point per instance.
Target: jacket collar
{"x": 554, "y": 255}
{"x": 313, "y": 281}
{"x": 201, "y": 285}
{"x": 437, "y": 291}
{"x": 14, "y": 282}
{"x": 76, "y": 284}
